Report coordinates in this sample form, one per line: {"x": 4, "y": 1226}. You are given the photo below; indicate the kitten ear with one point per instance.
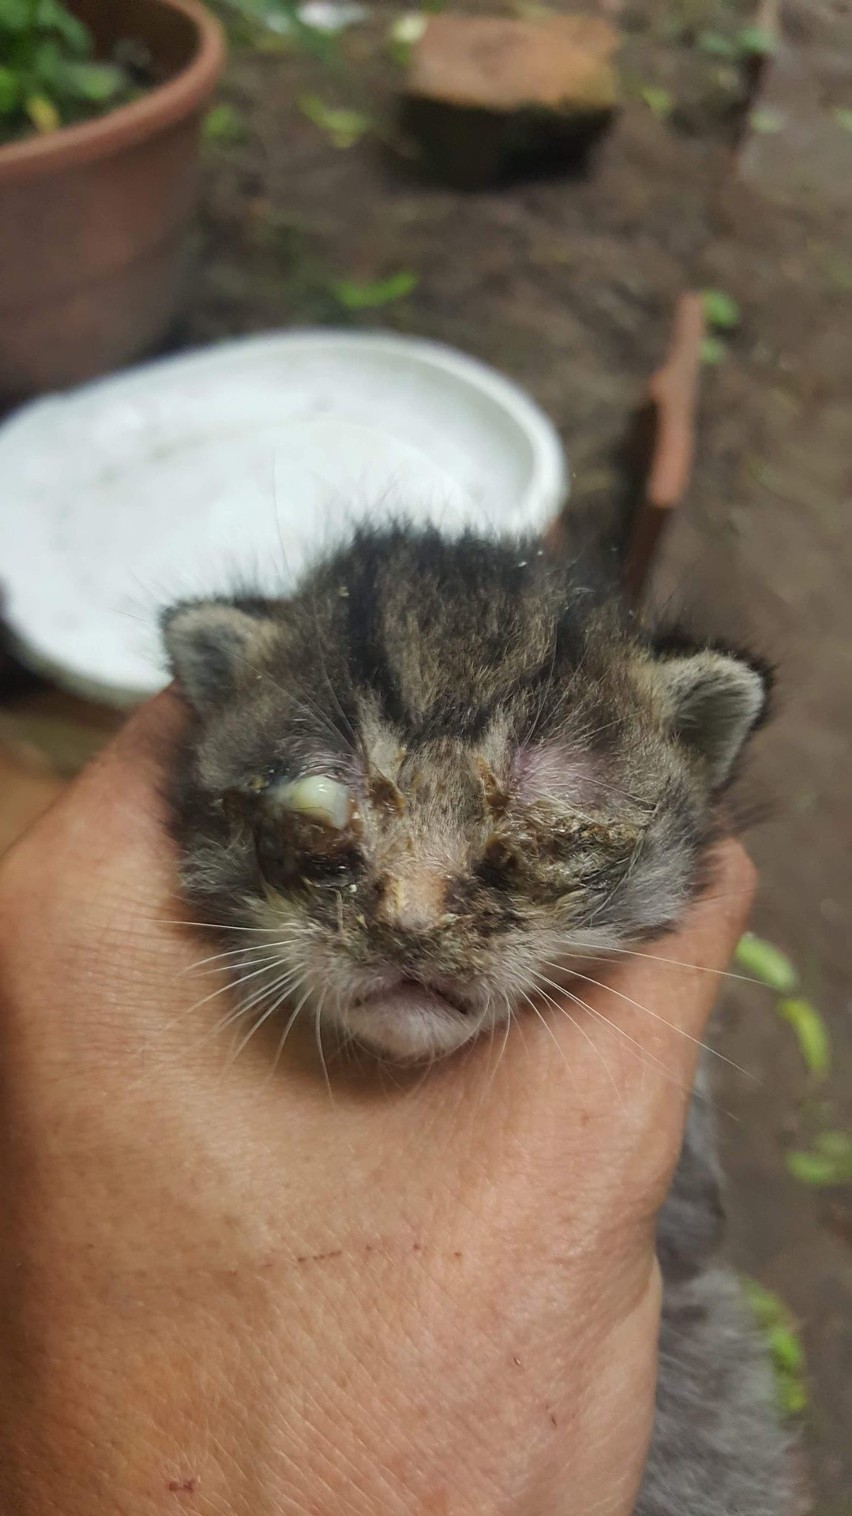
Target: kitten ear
{"x": 209, "y": 643}
{"x": 714, "y": 701}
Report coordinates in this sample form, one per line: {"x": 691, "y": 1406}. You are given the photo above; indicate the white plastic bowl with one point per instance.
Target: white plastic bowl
{"x": 237, "y": 464}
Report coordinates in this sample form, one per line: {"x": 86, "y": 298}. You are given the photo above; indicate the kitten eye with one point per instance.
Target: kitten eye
{"x": 316, "y": 797}
{"x": 499, "y": 866}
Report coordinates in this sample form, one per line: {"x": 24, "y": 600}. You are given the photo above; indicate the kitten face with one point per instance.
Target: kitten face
{"x": 439, "y": 775}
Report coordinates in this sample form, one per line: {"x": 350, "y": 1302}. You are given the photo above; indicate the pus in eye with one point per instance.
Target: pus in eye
{"x": 316, "y": 797}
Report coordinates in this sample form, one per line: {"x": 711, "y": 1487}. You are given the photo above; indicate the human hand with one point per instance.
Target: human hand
{"x": 234, "y": 1291}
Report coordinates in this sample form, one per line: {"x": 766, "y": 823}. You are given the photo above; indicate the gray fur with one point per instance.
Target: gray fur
{"x": 520, "y": 776}
{"x": 718, "y": 1448}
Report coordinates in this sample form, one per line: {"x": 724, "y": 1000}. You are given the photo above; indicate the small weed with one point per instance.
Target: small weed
{"x": 273, "y": 24}
{"x": 773, "y": 968}
{"x": 720, "y": 310}
{"x": 811, "y": 1034}
{"x": 403, "y": 35}
{"x": 224, "y": 125}
{"x": 748, "y": 42}
{"x": 828, "y": 1163}
{"x": 842, "y": 118}
{"x": 753, "y": 41}
{"x": 712, "y": 351}
{"x": 766, "y": 963}
{"x": 716, "y": 44}
{"x": 363, "y": 297}
{"x": 343, "y": 128}
{"x": 778, "y": 1327}
{"x": 765, "y": 121}
{"x": 658, "y": 101}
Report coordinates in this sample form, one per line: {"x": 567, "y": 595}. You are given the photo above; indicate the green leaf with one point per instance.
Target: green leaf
{"x": 658, "y": 101}
{"x": 97, "y": 83}
{"x": 768, "y": 1308}
{"x": 225, "y": 124}
{"x": 712, "y": 350}
{"x": 51, "y": 16}
{"x": 792, "y": 1395}
{"x": 42, "y": 113}
{"x": 343, "y": 127}
{"x": 778, "y": 1328}
{"x": 766, "y": 963}
{"x": 753, "y": 40}
{"x": 716, "y": 44}
{"x": 409, "y": 28}
{"x": 362, "y": 297}
{"x": 811, "y": 1034}
{"x": 720, "y": 310}
{"x": 10, "y": 94}
{"x": 835, "y": 1145}
{"x": 404, "y": 35}
{"x": 16, "y": 15}
{"x": 785, "y": 1348}
{"x": 46, "y": 63}
{"x": 829, "y": 1163}
{"x": 765, "y": 121}
{"x": 748, "y": 42}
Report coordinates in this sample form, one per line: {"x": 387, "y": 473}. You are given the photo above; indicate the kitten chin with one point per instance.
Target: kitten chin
{"x": 435, "y": 769}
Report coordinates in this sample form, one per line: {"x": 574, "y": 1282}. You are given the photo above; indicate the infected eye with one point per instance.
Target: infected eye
{"x": 315, "y": 797}
{"x": 500, "y": 866}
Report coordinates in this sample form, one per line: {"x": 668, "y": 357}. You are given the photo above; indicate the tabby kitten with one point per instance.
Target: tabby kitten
{"x": 435, "y": 771}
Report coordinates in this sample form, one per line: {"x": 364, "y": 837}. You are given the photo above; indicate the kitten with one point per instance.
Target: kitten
{"x": 425, "y": 781}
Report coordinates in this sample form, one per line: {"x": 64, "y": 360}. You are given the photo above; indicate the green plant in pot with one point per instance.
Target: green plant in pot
{"x": 100, "y": 109}
{"x": 49, "y": 75}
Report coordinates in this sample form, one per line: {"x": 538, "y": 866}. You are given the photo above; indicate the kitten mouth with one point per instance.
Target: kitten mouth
{"x": 409, "y": 994}
{"x": 411, "y": 1019}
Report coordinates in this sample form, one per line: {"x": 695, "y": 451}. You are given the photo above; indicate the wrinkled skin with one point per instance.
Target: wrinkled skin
{"x": 231, "y": 1291}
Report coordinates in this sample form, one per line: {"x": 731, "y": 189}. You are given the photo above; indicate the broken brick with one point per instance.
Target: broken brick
{"x": 485, "y": 95}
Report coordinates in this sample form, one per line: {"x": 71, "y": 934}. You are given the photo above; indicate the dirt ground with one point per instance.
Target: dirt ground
{"x": 568, "y": 285}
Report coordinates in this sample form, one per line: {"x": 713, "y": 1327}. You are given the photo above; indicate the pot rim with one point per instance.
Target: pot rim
{"x": 158, "y": 109}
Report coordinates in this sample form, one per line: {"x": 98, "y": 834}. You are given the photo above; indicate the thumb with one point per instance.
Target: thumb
{"x": 664, "y": 991}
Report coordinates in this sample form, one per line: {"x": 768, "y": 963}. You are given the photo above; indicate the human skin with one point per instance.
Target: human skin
{"x": 229, "y": 1288}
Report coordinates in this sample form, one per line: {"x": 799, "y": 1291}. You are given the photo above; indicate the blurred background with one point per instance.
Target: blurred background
{"x": 640, "y": 213}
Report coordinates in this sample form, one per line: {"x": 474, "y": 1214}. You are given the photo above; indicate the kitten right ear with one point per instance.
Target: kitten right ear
{"x": 209, "y": 643}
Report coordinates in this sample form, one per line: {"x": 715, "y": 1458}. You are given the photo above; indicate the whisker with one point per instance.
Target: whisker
{"x": 270, "y": 952}
{"x": 287, "y": 982}
{"x": 270, "y": 1011}
{"x": 230, "y": 984}
{"x": 504, "y": 1044}
{"x": 536, "y": 1012}
{"x": 590, "y": 1040}
{"x": 705, "y": 1046}
{"x": 332, "y": 691}
{"x": 321, "y": 1050}
{"x": 701, "y": 968}
{"x": 287, "y": 1029}
{"x": 641, "y": 1052}
{"x": 211, "y": 926}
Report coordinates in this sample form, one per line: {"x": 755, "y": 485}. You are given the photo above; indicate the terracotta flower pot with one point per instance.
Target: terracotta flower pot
{"x": 93, "y": 217}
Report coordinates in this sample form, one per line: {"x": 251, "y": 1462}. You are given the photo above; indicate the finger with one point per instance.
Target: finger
{"x": 117, "y": 797}
{"x": 679, "y": 976}
{"x": 95, "y": 875}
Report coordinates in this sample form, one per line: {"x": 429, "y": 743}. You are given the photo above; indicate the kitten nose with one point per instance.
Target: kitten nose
{"x": 414, "y": 901}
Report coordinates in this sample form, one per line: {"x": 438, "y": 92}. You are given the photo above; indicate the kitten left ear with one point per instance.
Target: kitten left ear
{"x": 714, "y": 702}
{"x": 210, "y": 644}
